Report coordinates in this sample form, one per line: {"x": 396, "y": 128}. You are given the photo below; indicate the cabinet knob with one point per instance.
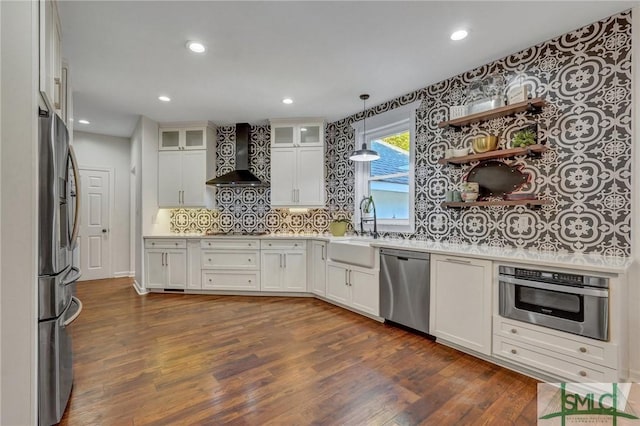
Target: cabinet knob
{"x": 514, "y": 331}
{"x": 153, "y": 244}
{"x": 209, "y": 279}
{"x": 249, "y": 244}
{"x": 513, "y": 351}
{"x": 295, "y": 245}
{"x": 209, "y": 244}
{"x": 249, "y": 260}
{"x": 583, "y": 373}
{"x": 209, "y": 260}
{"x": 269, "y": 244}
{"x": 176, "y": 243}
{"x": 583, "y": 349}
{"x": 249, "y": 280}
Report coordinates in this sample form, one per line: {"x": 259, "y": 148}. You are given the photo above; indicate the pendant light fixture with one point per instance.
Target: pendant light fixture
{"x": 364, "y": 154}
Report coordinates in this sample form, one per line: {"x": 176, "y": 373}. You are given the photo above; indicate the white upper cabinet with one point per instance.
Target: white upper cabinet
{"x": 297, "y": 132}
{"x": 51, "y": 85}
{"x": 186, "y": 160}
{"x": 180, "y": 139}
{"x": 297, "y": 163}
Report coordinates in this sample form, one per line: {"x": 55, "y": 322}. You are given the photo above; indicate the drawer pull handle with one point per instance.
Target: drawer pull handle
{"x": 583, "y": 373}
{"x": 466, "y": 262}
{"x": 583, "y": 349}
{"x": 513, "y": 351}
{"x": 514, "y": 331}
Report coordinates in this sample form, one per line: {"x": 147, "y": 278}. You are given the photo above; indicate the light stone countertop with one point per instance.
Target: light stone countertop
{"x": 584, "y": 262}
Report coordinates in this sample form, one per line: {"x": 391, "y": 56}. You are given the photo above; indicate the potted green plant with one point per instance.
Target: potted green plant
{"x": 338, "y": 227}
{"x": 524, "y": 137}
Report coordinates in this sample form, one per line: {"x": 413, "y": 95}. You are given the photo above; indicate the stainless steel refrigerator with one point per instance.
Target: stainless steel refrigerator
{"x": 58, "y": 221}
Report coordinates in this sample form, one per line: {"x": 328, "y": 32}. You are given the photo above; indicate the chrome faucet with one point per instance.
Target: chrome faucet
{"x": 370, "y": 203}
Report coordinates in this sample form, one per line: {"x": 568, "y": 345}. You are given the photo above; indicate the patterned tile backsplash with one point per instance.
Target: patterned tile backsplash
{"x": 585, "y": 78}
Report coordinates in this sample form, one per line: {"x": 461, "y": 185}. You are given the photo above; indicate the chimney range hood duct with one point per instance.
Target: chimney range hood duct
{"x": 241, "y": 176}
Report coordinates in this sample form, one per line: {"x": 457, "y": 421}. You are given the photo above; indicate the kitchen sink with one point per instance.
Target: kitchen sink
{"x": 352, "y": 251}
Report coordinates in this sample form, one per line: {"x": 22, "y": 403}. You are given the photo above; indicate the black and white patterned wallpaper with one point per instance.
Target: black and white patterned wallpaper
{"x": 585, "y": 78}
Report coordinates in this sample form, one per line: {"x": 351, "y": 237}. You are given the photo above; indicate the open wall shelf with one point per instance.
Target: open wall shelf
{"x": 500, "y": 153}
{"x": 533, "y": 105}
{"x": 463, "y": 204}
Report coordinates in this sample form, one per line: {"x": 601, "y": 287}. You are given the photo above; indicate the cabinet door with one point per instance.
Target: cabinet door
{"x": 283, "y": 166}
{"x": 154, "y": 269}
{"x": 271, "y": 271}
{"x": 176, "y": 261}
{"x": 319, "y": 268}
{"x": 169, "y": 178}
{"x": 50, "y": 60}
{"x": 194, "y": 164}
{"x": 337, "y": 288}
{"x": 194, "y": 138}
{"x": 311, "y": 134}
{"x": 170, "y": 139}
{"x": 461, "y": 301}
{"x": 310, "y": 177}
{"x": 365, "y": 291}
{"x": 194, "y": 265}
{"x": 294, "y": 277}
{"x": 283, "y": 136}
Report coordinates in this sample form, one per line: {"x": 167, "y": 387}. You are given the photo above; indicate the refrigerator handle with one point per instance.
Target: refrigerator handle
{"x": 76, "y": 214}
{"x": 77, "y": 314}
{"x": 75, "y": 277}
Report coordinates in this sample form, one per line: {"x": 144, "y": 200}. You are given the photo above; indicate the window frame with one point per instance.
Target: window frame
{"x": 391, "y": 122}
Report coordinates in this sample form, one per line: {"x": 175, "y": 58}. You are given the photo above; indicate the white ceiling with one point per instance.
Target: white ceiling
{"x": 123, "y": 55}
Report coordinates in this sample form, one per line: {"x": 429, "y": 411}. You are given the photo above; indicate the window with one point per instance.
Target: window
{"x": 390, "y": 179}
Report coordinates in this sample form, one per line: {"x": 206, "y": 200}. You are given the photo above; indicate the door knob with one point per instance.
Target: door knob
{"x": 104, "y": 231}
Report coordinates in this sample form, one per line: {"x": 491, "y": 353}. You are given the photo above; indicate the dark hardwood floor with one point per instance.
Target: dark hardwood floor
{"x": 189, "y": 359}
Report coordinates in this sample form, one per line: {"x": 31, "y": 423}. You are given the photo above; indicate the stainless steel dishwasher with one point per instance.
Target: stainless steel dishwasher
{"x": 404, "y": 288}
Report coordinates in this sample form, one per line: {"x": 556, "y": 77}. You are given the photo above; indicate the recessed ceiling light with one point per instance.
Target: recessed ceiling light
{"x": 196, "y": 47}
{"x": 459, "y": 35}
{"x": 164, "y": 98}
{"x": 83, "y": 121}
{"x": 287, "y": 101}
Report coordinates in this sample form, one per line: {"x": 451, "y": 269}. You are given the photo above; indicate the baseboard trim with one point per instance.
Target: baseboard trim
{"x": 123, "y": 274}
{"x": 141, "y": 291}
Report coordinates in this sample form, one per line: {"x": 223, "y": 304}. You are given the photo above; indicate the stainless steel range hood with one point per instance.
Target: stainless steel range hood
{"x": 241, "y": 176}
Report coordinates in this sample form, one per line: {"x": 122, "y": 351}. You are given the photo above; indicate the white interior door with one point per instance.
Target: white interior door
{"x": 94, "y": 238}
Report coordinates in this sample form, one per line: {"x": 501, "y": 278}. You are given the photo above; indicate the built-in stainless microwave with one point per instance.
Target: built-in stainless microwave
{"x": 577, "y": 304}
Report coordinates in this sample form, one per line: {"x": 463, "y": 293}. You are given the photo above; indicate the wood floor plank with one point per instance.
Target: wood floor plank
{"x": 166, "y": 359}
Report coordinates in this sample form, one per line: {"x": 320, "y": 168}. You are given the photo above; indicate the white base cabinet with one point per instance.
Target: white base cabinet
{"x": 318, "y": 274}
{"x": 284, "y": 265}
{"x": 460, "y": 308}
{"x": 165, "y": 264}
{"x": 230, "y": 264}
{"x": 553, "y": 352}
{"x": 354, "y": 287}
{"x": 194, "y": 265}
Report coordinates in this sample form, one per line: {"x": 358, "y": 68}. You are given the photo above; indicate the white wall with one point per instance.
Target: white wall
{"x": 113, "y": 152}
{"x": 18, "y": 209}
{"x": 144, "y": 160}
{"x": 634, "y": 273}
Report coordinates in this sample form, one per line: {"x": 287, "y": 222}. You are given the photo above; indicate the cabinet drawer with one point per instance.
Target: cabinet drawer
{"x": 552, "y": 363}
{"x": 602, "y": 353}
{"x": 165, "y": 243}
{"x": 226, "y": 244}
{"x": 217, "y": 259}
{"x": 230, "y": 280}
{"x": 283, "y": 245}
